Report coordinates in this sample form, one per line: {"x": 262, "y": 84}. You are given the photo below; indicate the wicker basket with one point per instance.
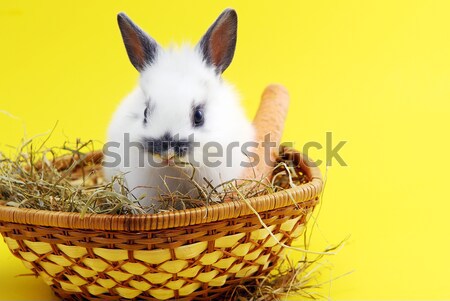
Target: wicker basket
{"x": 189, "y": 254}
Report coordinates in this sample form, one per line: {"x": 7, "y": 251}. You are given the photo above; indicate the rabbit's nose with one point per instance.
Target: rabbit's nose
{"x": 165, "y": 144}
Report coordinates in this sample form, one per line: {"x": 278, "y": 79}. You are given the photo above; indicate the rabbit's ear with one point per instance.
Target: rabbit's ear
{"x": 219, "y": 42}
{"x": 141, "y": 48}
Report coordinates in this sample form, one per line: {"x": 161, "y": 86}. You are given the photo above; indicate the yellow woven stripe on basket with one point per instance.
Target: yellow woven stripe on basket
{"x": 140, "y": 285}
{"x": 160, "y": 272}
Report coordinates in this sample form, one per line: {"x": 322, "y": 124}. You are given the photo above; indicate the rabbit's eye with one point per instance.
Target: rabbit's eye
{"x": 146, "y": 111}
{"x": 198, "y": 117}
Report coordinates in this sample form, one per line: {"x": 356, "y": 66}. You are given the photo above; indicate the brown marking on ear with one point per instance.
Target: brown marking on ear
{"x": 220, "y": 42}
{"x": 134, "y": 42}
{"x": 141, "y": 48}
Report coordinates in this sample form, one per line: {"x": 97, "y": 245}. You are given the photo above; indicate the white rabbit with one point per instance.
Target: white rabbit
{"x": 181, "y": 110}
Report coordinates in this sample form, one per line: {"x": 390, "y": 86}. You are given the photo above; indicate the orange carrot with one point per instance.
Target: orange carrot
{"x": 269, "y": 119}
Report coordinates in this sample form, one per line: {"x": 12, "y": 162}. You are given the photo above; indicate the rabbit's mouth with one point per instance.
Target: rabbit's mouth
{"x": 169, "y": 158}
{"x": 167, "y": 151}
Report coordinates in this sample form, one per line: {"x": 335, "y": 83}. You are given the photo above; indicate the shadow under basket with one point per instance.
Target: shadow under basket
{"x": 193, "y": 254}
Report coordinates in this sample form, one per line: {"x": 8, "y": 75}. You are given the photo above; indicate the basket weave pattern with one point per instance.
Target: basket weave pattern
{"x": 185, "y": 255}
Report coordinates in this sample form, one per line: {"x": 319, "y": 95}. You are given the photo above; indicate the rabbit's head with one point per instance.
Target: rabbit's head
{"x": 182, "y": 104}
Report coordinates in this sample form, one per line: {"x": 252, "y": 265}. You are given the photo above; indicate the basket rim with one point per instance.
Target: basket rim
{"x": 174, "y": 219}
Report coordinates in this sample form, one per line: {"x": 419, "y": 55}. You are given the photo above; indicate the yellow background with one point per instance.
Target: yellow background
{"x": 374, "y": 73}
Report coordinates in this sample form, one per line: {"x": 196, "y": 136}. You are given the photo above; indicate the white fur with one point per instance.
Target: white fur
{"x": 171, "y": 84}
